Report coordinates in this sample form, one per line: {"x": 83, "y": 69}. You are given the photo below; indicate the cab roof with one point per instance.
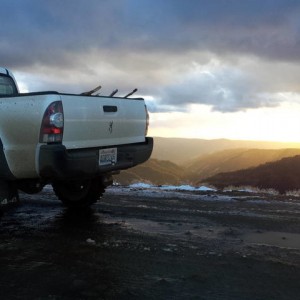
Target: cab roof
{"x": 6, "y": 72}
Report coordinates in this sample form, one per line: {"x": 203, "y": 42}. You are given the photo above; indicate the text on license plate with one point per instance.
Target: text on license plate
{"x": 108, "y": 156}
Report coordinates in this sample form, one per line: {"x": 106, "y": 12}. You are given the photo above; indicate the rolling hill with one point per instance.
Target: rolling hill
{"x": 282, "y": 175}
{"x": 153, "y": 171}
{"x": 235, "y": 159}
{"x": 162, "y": 172}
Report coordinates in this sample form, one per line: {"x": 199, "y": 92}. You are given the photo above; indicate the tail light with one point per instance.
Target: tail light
{"x": 147, "y": 120}
{"x": 52, "y": 124}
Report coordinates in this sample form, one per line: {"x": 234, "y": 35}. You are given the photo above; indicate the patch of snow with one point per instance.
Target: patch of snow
{"x": 186, "y": 188}
{"x": 168, "y": 192}
{"x": 141, "y": 185}
{"x": 246, "y": 190}
{"x": 177, "y": 188}
{"x": 206, "y": 189}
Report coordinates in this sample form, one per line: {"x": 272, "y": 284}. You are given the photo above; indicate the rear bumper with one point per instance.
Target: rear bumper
{"x": 56, "y": 162}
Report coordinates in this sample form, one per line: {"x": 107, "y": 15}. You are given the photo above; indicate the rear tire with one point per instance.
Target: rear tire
{"x": 79, "y": 193}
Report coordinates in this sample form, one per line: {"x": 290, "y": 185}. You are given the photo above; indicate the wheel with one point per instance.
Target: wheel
{"x": 79, "y": 193}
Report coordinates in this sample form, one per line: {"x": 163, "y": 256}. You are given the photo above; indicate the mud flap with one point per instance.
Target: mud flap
{"x": 8, "y": 192}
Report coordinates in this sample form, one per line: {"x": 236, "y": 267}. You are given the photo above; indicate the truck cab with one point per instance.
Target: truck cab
{"x": 8, "y": 85}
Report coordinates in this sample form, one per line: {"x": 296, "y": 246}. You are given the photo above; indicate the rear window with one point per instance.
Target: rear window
{"x": 7, "y": 86}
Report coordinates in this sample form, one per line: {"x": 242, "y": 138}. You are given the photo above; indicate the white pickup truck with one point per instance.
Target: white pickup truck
{"x": 73, "y": 142}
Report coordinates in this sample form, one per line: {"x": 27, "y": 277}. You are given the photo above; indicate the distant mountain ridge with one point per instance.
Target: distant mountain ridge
{"x": 282, "y": 175}
{"x": 235, "y": 159}
{"x": 153, "y": 171}
{"x": 161, "y": 172}
{"x": 182, "y": 150}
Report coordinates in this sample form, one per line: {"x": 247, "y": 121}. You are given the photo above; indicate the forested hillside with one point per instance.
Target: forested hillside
{"x": 282, "y": 175}
{"x": 153, "y": 171}
{"x": 235, "y": 159}
{"x": 162, "y": 172}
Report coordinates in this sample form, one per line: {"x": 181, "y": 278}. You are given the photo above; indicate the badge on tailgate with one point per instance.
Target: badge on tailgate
{"x": 108, "y": 156}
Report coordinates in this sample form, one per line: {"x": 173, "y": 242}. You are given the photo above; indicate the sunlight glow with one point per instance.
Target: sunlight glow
{"x": 280, "y": 123}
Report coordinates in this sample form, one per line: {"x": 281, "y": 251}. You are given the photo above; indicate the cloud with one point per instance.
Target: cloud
{"x": 33, "y": 28}
{"x": 229, "y": 54}
{"x": 227, "y": 87}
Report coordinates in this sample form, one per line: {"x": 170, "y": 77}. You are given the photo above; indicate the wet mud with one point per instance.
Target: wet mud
{"x": 151, "y": 244}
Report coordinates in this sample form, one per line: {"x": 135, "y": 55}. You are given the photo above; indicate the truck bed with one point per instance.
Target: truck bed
{"x": 89, "y": 122}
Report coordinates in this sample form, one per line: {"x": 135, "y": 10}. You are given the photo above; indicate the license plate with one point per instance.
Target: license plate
{"x": 107, "y": 156}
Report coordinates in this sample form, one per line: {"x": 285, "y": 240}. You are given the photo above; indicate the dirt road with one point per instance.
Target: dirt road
{"x": 152, "y": 244}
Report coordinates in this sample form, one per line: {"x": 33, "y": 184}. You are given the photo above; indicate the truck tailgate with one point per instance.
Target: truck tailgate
{"x": 93, "y": 121}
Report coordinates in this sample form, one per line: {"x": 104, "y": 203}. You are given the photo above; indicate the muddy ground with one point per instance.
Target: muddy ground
{"x": 152, "y": 244}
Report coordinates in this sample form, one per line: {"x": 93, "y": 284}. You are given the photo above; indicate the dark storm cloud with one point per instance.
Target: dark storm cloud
{"x": 153, "y": 42}
{"x": 263, "y": 28}
{"x": 46, "y": 32}
{"x": 40, "y": 30}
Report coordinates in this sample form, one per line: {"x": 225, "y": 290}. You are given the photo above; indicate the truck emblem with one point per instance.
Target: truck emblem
{"x": 110, "y": 128}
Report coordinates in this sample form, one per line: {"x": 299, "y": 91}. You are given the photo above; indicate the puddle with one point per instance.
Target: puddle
{"x": 168, "y": 228}
{"x": 271, "y": 238}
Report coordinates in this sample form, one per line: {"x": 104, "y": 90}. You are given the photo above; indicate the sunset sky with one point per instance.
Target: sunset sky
{"x": 207, "y": 69}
